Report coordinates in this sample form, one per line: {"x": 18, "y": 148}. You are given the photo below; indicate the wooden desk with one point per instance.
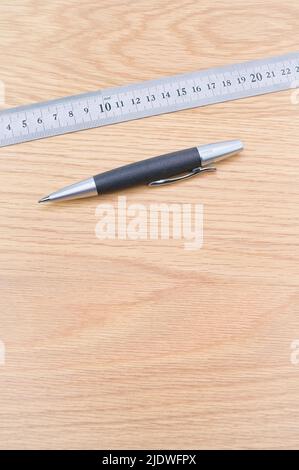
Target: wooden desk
{"x": 143, "y": 344}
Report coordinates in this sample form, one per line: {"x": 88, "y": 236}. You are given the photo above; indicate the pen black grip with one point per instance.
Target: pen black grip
{"x": 147, "y": 171}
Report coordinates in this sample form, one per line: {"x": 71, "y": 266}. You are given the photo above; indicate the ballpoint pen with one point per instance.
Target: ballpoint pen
{"x": 154, "y": 171}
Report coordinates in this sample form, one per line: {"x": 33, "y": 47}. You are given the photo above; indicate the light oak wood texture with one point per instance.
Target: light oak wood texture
{"x": 142, "y": 344}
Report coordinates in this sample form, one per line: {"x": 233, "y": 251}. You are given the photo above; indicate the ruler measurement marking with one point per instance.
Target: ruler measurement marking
{"x": 150, "y": 98}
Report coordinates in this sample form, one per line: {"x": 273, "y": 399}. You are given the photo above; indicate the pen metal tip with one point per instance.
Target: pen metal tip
{"x": 44, "y": 199}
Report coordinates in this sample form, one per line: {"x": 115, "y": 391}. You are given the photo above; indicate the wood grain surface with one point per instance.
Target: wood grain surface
{"x": 143, "y": 344}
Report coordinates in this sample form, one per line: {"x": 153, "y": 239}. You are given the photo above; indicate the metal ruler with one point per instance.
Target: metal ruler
{"x": 125, "y": 103}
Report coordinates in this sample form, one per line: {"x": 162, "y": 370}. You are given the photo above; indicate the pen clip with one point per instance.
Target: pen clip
{"x": 193, "y": 172}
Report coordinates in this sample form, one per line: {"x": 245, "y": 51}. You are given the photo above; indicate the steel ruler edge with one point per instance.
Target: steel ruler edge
{"x": 149, "y": 98}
